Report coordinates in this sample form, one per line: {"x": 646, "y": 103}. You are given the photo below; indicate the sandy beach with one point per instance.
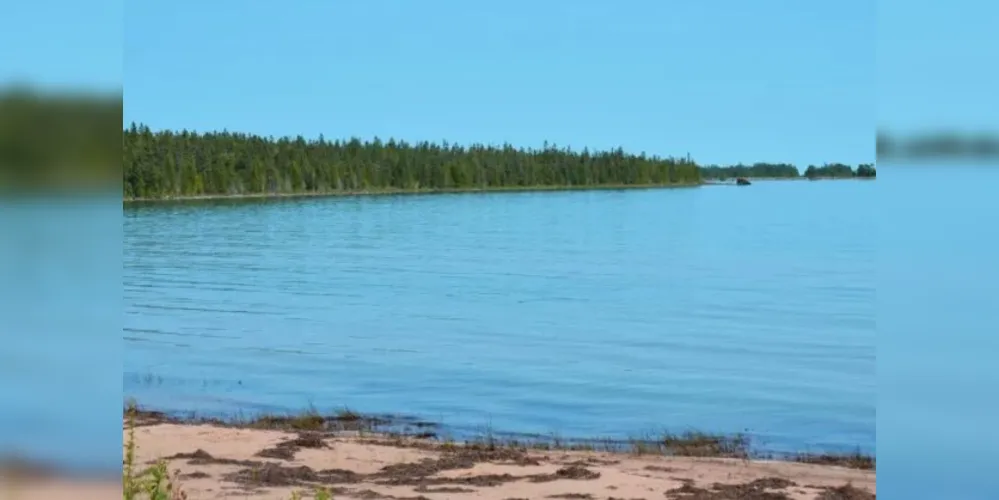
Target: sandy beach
{"x": 216, "y": 461}
{"x": 207, "y": 461}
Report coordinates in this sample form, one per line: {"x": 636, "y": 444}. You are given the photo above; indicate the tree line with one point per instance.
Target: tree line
{"x": 166, "y": 163}
{"x": 177, "y": 164}
{"x": 840, "y": 171}
{"x": 788, "y": 171}
{"x": 758, "y": 170}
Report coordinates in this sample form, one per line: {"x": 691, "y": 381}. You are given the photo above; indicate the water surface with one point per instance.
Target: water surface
{"x": 592, "y": 313}
{"x": 938, "y": 316}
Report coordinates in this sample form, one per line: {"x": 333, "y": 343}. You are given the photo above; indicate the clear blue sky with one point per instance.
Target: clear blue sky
{"x": 937, "y": 65}
{"x": 62, "y": 44}
{"x": 727, "y": 81}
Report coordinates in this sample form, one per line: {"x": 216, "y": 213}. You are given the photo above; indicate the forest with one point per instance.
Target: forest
{"x": 788, "y": 171}
{"x": 183, "y": 164}
{"x": 768, "y": 170}
{"x": 839, "y": 171}
{"x": 166, "y": 164}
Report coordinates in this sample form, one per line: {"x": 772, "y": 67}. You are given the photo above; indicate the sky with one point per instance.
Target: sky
{"x": 936, "y": 65}
{"x": 62, "y": 44}
{"x": 726, "y": 81}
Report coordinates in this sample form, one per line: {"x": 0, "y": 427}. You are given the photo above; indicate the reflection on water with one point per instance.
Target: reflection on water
{"x": 584, "y": 313}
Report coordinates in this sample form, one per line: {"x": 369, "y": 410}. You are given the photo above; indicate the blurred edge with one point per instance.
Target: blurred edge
{"x": 60, "y": 290}
{"x": 62, "y": 141}
{"x": 70, "y": 141}
{"x": 938, "y": 145}
{"x": 31, "y": 487}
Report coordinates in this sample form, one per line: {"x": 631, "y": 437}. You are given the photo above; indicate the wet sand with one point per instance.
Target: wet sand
{"x": 215, "y": 462}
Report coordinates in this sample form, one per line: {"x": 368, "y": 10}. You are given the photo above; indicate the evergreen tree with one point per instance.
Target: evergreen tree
{"x": 166, "y": 164}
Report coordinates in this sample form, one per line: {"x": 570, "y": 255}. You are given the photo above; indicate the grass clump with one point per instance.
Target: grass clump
{"x": 693, "y": 444}
{"x": 154, "y": 483}
{"x": 701, "y": 444}
{"x": 348, "y": 415}
{"x": 309, "y": 420}
{"x": 853, "y": 460}
{"x": 318, "y": 494}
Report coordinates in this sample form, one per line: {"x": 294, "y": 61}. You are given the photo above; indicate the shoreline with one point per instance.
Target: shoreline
{"x": 417, "y": 192}
{"x": 350, "y": 455}
{"x": 731, "y": 180}
{"x": 407, "y": 192}
{"x": 687, "y": 442}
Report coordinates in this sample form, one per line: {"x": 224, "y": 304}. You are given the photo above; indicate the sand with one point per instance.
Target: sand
{"x": 213, "y": 462}
{"x": 216, "y": 462}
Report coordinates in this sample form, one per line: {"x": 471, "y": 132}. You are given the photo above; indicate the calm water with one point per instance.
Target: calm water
{"x": 602, "y": 313}
{"x": 938, "y": 320}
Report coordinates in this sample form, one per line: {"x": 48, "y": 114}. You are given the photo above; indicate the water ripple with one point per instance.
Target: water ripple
{"x": 586, "y": 314}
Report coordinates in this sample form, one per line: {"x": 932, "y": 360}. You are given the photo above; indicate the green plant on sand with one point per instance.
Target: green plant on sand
{"x": 154, "y": 483}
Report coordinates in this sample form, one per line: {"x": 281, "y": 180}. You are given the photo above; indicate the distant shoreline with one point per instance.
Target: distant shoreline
{"x": 393, "y": 191}
{"x": 731, "y": 180}
{"x": 496, "y": 189}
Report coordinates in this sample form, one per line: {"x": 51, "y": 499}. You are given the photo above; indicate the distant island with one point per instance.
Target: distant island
{"x": 168, "y": 164}
{"x": 788, "y": 171}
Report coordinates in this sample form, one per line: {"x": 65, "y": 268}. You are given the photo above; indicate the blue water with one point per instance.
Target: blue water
{"x": 938, "y": 332}
{"x": 60, "y": 312}
{"x": 596, "y": 313}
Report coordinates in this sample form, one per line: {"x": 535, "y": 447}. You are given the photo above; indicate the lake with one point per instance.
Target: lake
{"x": 582, "y": 314}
